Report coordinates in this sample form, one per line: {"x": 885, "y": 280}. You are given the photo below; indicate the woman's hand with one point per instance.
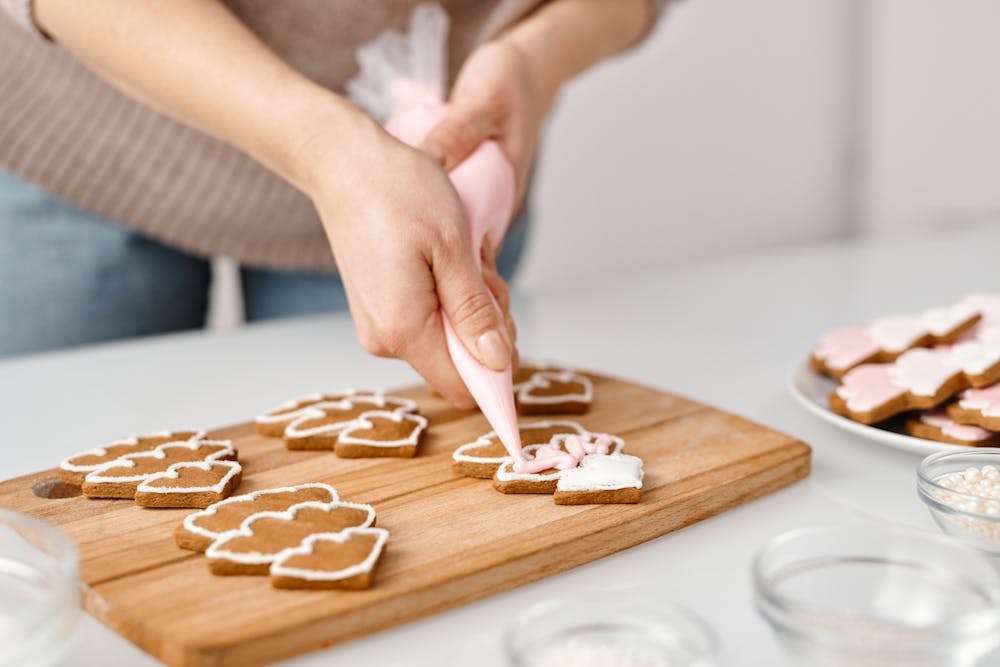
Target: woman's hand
{"x": 400, "y": 237}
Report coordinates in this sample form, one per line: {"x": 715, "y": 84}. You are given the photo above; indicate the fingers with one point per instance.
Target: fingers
{"x": 471, "y": 308}
{"x": 428, "y": 355}
{"x": 454, "y": 138}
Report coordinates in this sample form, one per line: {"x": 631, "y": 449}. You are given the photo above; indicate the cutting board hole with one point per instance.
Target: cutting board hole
{"x": 55, "y": 488}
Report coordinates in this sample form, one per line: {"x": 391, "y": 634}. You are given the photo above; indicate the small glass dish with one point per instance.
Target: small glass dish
{"x": 614, "y": 626}
{"x": 970, "y": 516}
{"x": 877, "y": 596}
{"x": 39, "y": 599}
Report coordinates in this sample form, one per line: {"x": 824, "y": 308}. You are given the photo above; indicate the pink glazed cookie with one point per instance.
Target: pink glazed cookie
{"x": 978, "y": 407}
{"x": 938, "y": 426}
{"x": 919, "y": 379}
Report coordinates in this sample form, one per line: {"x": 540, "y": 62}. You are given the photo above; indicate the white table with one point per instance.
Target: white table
{"x": 726, "y": 333}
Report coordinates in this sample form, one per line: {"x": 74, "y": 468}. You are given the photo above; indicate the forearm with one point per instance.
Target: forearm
{"x": 198, "y": 63}
{"x": 565, "y": 37}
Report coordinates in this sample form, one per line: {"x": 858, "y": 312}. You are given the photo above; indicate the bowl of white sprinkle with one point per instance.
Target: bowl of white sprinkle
{"x": 962, "y": 491}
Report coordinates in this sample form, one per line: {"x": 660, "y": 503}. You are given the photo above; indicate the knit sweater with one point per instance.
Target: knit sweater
{"x": 66, "y": 130}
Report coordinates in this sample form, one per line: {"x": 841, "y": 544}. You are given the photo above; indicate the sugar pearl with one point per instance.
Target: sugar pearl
{"x": 974, "y": 491}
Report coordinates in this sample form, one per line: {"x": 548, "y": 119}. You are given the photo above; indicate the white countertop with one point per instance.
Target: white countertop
{"x": 726, "y": 333}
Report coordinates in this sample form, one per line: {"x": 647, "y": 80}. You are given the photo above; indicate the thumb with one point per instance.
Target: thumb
{"x": 472, "y": 310}
{"x": 455, "y": 137}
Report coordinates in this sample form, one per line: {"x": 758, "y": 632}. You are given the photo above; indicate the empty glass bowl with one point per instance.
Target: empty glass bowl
{"x": 619, "y": 627}
{"x": 878, "y": 596}
{"x": 972, "y": 514}
{"x": 39, "y": 600}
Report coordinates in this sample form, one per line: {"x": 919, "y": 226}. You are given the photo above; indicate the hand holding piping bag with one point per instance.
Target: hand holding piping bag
{"x": 484, "y": 181}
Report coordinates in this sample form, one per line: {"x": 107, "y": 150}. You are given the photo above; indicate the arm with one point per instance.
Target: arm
{"x": 383, "y": 204}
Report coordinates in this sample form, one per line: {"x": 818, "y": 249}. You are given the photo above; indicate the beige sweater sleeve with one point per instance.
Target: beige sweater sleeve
{"x": 21, "y": 12}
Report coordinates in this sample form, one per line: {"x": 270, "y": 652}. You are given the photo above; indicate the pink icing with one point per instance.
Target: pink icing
{"x": 868, "y": 386}
{"x": 843, "y": 348}
{"x": 923, "y": 371}
{"x": 549, "y": 457}
{"x": 897, "y": 332}
{"x": 953, "y": 429}
{"x": 986, "y": 400}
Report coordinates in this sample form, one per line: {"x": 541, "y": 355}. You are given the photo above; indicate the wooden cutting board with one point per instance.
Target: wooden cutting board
{"x": 453, "y": 539}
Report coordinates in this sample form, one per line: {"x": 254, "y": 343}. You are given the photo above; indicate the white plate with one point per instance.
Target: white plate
{"x": 811, "y": 391}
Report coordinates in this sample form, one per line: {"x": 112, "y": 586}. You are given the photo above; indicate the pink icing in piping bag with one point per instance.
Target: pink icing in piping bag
{"x": 485, "y": 184}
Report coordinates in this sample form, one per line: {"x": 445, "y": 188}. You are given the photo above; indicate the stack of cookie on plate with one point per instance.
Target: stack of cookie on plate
{"x": 940, "y": 369}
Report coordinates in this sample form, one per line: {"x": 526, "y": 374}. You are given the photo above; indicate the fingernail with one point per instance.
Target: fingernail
{"x": 493, "y": 350}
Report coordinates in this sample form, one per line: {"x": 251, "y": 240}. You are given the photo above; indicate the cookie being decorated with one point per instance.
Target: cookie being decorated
{"x": 547, "y": 463}
{"x": 76, "y": 467}
{"x": 918, "y": 379}
{"x": 200, "y": 529}
{"x": 344, "y": 560}
{"x": 319, "y": 425}
{"x": 251, "y": 548}
{"x": 558, "y": 391}
{"x": 381, "y": 433}
{"x": 192, "y": 484}
{"x": 886, "y": 338}
{"x": 121, "y": 477}
{"x": 601, "y": 478}
{"x": 481, "y": 457}
{"x": 938, "y": 426}
{"x": 978, "y": 407}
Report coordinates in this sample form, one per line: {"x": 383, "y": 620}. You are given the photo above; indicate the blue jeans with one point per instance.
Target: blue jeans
{"x": 68, "y": 277}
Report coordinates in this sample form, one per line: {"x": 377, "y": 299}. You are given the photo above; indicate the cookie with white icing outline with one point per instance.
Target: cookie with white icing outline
{"x": 886, "y": 338}
{"x": 481, "y": 457}
{"x": 938, "y": 426}
{"x": 978, "y": 407}
{"x": 508, "y": 480}
{"x": 74, "y": 468}
{"x": 121, "y": 477}
{"x": 343, "y": 560}
{"x": 251, "y": 548}
{"x": 192, "y": 484}
{"x": 554, "y": 391}
{"x": 919, "y": 379}
{"x": 200, "y": 529}
{"x": 319, "y": 425}
{"x": 601, "y": 478}
{"x": 381, "y": 433}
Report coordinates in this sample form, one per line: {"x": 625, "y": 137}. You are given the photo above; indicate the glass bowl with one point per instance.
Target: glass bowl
{"x": 39, "y": 599}
{"x": 972, "y": 517}
{"x": 617, "y": 626}
{"x": 872, "y": 595}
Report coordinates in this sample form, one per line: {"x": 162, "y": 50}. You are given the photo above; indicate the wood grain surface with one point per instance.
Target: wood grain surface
{"x": 452, "y": 539}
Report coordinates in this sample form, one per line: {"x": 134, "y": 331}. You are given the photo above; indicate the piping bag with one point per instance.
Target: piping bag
{"x": 401, "y": 82}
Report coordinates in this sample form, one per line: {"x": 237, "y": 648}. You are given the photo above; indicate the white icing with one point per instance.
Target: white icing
{"x": 896, "y": 333}
{"x": 603, "y": 472}
{"x": 131, "y": 441}
{"x": 943, "y": 321}
{"x": 922, "y": 372}
{"x": 160, "y": 452}
{"x": 278, "y": 567}
{"x": 976, "y": 357}
{"x": 294, "y": 407}
{"x": 953, "y": 429}
{"x": 190, "y": 521}
{"x": 544, "y": 379}
{"x": 362, "y": 423}
{"x": 173, "y": 472}
{"x": 296, "y": 429}
{"x": 217, "y": 549}
{"x": 460, "y": 453}
{"x": 506, "y": 472}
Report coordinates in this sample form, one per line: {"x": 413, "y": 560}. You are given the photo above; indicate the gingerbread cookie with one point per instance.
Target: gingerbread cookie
{"x": 343, "y": 560}
{"x": 76, "y": 467}
{"x": 918, "y": 379}
{"x": 200, "y": 529}
{"x": 273, "y": 422}
{"x": 191, "y": 484}
{"x": 381, "y": 433}
{"x": 547, "y": 463}
{"x": 251, "y": 548}
{"x": 557, "y": 391}
{"x": 886, "y": 338}
{"x": 978, "y": 407}
{"x": 121, "y": 477}
{"x": 936, "y": 425}
{"x": 481, "y": 457}
{"x": 601, "y": 478}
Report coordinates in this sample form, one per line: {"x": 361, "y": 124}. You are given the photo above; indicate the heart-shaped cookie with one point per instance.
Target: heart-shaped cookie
{"x": 331, "y": 560}
{"x": 481, "y": 457}
{"x": 547, "y": 392}
{"x": 76, "y": 467}
{"x": 120, "y": 478}
{"x": 319, "y": 425}
{"x": 193, "y": 484}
